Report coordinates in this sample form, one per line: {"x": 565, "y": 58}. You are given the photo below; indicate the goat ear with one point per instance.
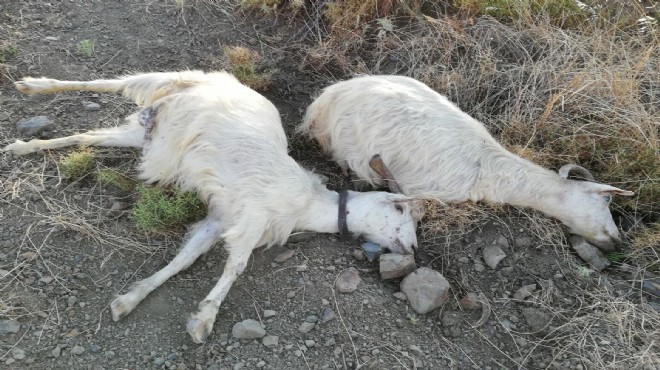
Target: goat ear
{"x": 608, "y": 189}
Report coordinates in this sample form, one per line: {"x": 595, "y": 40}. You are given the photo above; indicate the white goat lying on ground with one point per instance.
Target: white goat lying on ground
{"x": 435, "y": 150}
{"x": 210, "y": 134}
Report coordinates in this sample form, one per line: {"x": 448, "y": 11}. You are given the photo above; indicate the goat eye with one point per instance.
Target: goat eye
{"x": 399, "y": 208}
{"x": 608, "y": 198}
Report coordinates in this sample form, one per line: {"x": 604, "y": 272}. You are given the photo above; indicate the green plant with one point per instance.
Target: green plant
{"x": 159, "y": 210}
{"x": 115, "y": 179}
{"x": 7, "y": 50}
{"x": 86, "y": 48}
{"x": 242, "y": 64}
{"x": 77, "y": 164}
{"x": 558, "y": 11}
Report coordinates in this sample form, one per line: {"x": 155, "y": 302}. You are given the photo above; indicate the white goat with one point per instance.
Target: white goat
{"x": 435, "y": 150}
{"x": 212, "y": 135}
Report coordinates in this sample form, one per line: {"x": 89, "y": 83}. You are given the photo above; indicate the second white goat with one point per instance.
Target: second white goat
{"x": 435, "y": 150}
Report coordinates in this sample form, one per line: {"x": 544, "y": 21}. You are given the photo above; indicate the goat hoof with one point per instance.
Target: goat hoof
{"x": 198, "y": 330}
{"x": 119, "y": 309}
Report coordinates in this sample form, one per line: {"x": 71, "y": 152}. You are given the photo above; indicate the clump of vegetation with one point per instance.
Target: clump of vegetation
{"x": 159, "y": 210}
{"x": 561, "y": 12}
{"x": 77, "y": 164}
{"x": 243, "y": 65}
{"x": 270, "y": 6}
{"x": 7, "y": 50}
{"x": 85, "y": 48}
{"x": 115, "y": 180}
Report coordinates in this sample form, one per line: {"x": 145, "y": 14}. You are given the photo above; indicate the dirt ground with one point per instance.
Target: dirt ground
{"x": 66, "y": 254}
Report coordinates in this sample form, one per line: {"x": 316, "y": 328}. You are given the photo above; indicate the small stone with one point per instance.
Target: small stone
{"x": 269, "y": 313}
{"x": 589, "y": 253}
{"x": 261, "y": 364}
{"x": 524, "y": 292}
{"x": 56, "y": 352}
{"x": 290, "y": 294}
{"x": 239, "y": 366}
{"x": 478, "y": 267}
{"x": 109, "y": 354}
{"x": 17, "y": 353}
{"x": 29, "y": 256}
{"x": 306, "y": 327}
{"x": 463, "y": 259}
{"x": 327, "y": 314}
{"x": 330, "y": 342}
{"x": 301, "y": 268}
{"x": 425, "y": 289}
{"x": 393, "y": 266}
{"x": 46, "y": 279}
{"x": 159, "y": 361}
{"x": 77, "y": 350}
{"x": 297, "y": 353}
{"x": 248, "y": 329}
{"x": 72, "y": 300}
{"x": 91, "y": 106}
{"x": 10, "y": 361}
{"x": 400, "y": 296}
{"x": 358, "y": 255}
{"x": 371, "y": 250}
{"x": 33, "y": 125}
{"x": 309, "y": 343}
{"x": 493, "y": 255}
{"x": 312, "y": 318}
{"x": 470, "y": 302}
{"x": 9, "y": 326}
{"x": 94, "y": 348}
{"x": 415, "y": 350}
{"x": 348, "y": 280}
{"x": 285, "y": 255}
{"x": 271, "y": 341}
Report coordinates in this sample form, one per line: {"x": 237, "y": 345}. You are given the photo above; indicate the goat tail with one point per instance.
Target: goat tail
{"x": 143, "y": 88}
{"x": 317, "y": 123}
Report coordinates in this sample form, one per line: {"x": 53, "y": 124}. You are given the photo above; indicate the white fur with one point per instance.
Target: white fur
{"x": 435, "y": 150}
{"x": 214, "y": 136}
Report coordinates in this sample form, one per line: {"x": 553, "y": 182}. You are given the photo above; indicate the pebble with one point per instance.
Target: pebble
{"x": 400, "y": 296}
{"x": 285, "y": 255}
{"x": 91, "y": 106}
{"x": 327, "y": 314}
{"x": 425, "y": 289}
{"x": 77, "y": 350}
{"x": 478, "y": 267}
{"x": 310, "y": 343}
{"x": 371, "y": 250}
{"x": 415, "y": 350}
{"x": 330, "y": 342}
{"x": 358, "y": 255}
{"x": 17, "y": 354}
{"x": 239, "y": 366}
{"x": 348, "y": 280}
{"x": 56, "y": 352}
{"x": 261, "y": 364}
{"x": 248, "y": 329}
{"x": 33, "y": 125}
{"x": 463, "y": 260}
{"x": 493, "y": 255}
{"x": 524, "y": 292}
{"x": 9, "y": 326}
{"x": 470, "y": 302}
{"x": 159, "y": 361}
{"x": 312, "y": 318}
{"x": 589, "y": 253}
{"x": 269, "y": 313}
{"x": 46, "y": 279}
{"x": 290, "y": 294}
{"x": 393, "y": 266}
{"x": 306, "y": 327}
{"x": 271, "y": 341}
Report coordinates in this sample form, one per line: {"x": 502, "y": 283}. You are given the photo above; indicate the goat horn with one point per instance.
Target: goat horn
{"x": 376, "y": 163}
{"x": 566, "y": 169}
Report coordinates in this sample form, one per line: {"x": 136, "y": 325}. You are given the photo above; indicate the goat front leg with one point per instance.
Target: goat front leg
{"x": 204, "y": 234}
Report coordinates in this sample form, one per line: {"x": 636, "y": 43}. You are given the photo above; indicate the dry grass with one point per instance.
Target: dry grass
{"x": 243, "y": 65}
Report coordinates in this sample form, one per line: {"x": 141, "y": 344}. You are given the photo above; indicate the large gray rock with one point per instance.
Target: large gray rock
{"x": 33, "y": 125}
{"x": 348, "y": 280}
{"x": 425, "y": 289}
{"x": 248, "y": 329}
{"x": 393, "y": 266}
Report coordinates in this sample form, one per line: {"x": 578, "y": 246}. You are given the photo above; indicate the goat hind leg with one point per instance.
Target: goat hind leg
{"x": 32, "y": 86}
{"x": 204, "y": 234}
{"x": 131, "y": 135}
